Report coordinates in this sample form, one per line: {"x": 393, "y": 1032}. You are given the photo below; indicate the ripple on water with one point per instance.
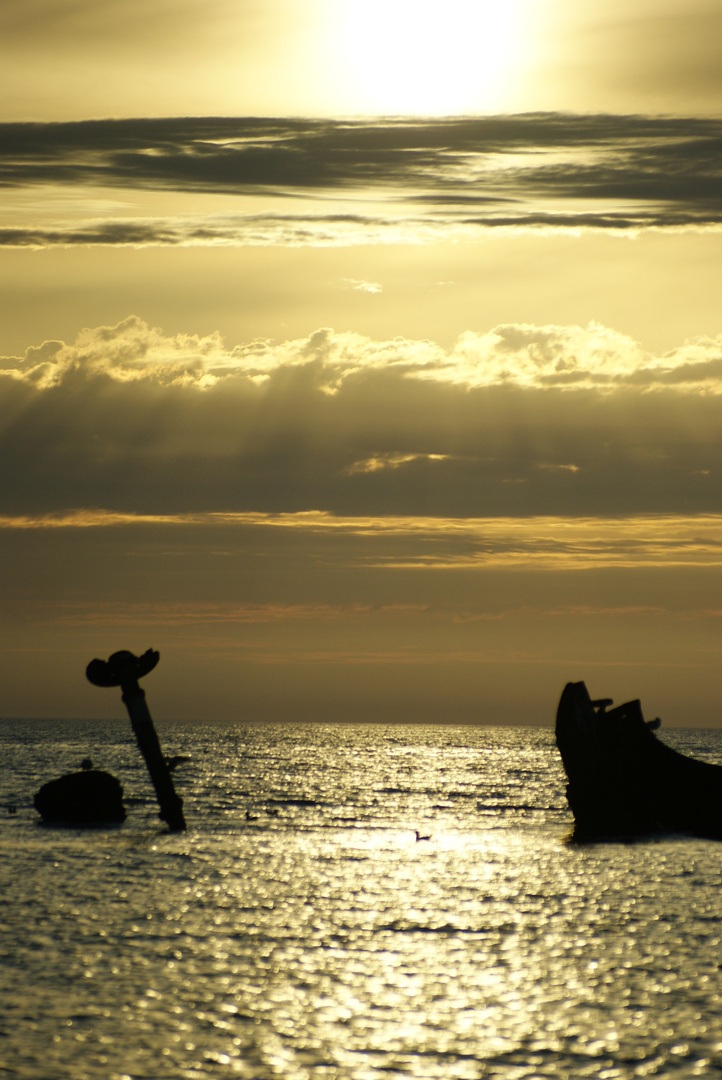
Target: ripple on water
{"x": 323, "y": 942}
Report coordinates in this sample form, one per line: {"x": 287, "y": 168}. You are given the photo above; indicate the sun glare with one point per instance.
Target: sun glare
{"x": 431, "y": 57}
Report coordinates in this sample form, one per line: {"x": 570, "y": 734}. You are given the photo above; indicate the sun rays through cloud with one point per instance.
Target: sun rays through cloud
{"x": 353, "y": 345}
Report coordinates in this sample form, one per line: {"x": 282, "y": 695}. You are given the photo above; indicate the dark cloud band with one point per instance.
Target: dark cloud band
{"x": 539, "y": 171}
{"x": 519, "y": 422}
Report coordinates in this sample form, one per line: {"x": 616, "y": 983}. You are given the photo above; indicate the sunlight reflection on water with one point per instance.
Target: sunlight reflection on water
{"x": 320, "y": 940}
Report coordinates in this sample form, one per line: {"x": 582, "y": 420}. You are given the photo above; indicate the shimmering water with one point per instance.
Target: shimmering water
{"x": 320, "y": 941}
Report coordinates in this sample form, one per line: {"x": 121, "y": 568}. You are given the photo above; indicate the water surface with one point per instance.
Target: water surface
{"x": 317, "y": 939}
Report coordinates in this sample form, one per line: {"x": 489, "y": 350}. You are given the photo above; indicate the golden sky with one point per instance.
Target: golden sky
{"x": 364, "y": 358}
{"x": 77, "y": 59}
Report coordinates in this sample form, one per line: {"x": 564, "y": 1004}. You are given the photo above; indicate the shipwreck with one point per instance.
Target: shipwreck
{"x": 93, "y": 797}
{"x": 624, "y": 782}
{"x": 88, "y": 797}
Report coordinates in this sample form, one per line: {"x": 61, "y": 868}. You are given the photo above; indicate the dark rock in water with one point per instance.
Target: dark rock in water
{"x": 624, "y": 782}
{"x": 89, "y": 797}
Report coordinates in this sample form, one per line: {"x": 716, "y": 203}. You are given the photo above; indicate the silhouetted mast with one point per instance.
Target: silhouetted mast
{"x": 123, "y": 669}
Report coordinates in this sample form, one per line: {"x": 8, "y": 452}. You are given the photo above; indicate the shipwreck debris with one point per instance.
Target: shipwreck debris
{"x": 623, "y": 781}
{"x": 123, "y": 669}
{"x": 88, "y": 797}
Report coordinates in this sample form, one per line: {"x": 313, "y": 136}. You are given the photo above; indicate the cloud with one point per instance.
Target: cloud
{"x": 334, "y": 230}
{"x": 363, "y": 286}
{"x": 412, "y": 542}
{"x": 522, "y": 420}
{"x": 428, "y": 177}
{"x": 517, "y": 355}
{"x": 389, "y": 461}
{"x": 205, "y": 613}
{"x": 233, "y": 230}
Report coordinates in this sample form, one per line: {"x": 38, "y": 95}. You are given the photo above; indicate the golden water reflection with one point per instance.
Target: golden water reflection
{"x": 320, "y": 940}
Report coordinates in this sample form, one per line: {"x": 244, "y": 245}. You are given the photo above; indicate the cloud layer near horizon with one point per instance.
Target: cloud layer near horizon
{"x": 427, "y": 178}
{"x": 418, "y": 543}
{"x": 523, "y": 420}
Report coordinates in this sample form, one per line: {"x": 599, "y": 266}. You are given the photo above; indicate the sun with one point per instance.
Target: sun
{"x": 430, "y": 57}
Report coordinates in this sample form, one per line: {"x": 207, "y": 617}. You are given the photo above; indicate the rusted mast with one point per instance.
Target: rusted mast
{"x": 123, "y": 669}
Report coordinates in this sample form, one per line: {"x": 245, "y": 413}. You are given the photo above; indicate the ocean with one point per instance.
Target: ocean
{"x": 299, "y": 930}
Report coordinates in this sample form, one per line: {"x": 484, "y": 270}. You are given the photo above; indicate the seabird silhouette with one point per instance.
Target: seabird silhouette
{"x": 420, "y": 837}
{"x": 175, "y": 761}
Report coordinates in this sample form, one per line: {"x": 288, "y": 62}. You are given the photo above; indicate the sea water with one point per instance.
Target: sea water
{"x": 299, "y": 930}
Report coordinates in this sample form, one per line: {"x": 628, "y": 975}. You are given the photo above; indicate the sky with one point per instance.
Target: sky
{"x": 363, "y": 358}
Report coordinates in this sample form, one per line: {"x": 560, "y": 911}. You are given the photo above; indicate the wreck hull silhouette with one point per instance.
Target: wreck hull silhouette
{"x": 623, "y": 781}
{"x": 90, "y": 797}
